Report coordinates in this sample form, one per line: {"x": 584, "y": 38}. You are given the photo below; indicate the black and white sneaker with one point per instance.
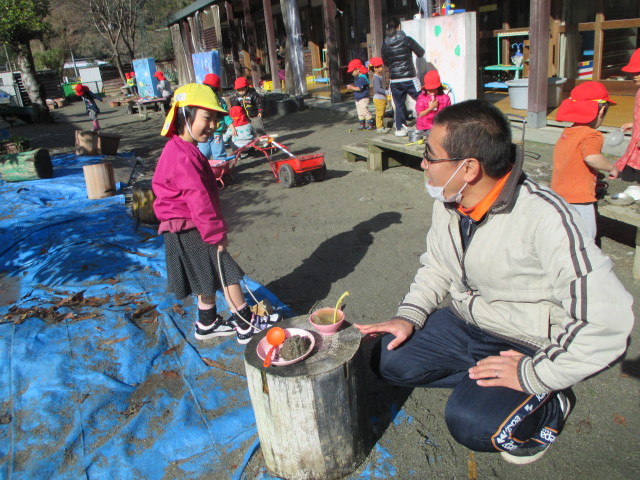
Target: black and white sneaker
{"x": 206, "y": 329}
{"x": 524, "y": 456}
{"x": 244, "y": 332}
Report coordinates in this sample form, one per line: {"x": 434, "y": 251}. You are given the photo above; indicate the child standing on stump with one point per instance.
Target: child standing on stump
{"x": 577, "y": 156}
{"x": 191, "y": 221}
{"x": 90, "y": 104}
{"x": 379, "y": 93}
{"x": 360, "y": 89}
{"x": 629, "y": 163}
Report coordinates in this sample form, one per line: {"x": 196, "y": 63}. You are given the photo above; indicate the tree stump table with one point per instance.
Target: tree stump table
{"x": 311, "y": 416}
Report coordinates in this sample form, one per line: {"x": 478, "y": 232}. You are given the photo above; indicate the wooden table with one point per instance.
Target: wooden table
{"x": 630, "y": 215}
{"x": 311, "y": 416}
{"x": 142, "y": 105}
{"x": 384, "y": 150}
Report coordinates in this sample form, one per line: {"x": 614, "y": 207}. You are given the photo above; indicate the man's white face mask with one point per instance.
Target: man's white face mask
{"x": 437, "y": 193}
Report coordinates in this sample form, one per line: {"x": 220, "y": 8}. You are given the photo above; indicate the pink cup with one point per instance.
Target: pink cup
{"x": 322, "y": 320}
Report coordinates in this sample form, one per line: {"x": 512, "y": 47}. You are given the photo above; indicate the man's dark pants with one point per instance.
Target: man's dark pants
{"x": 484, "y": 419}
{"x": 399, "y": 92}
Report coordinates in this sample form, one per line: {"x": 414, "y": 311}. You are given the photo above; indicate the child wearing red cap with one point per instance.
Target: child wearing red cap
{"x": 244, "y": 131}
{"x": 379, "y": 93}
{"x": 90, "y": 104}
{"x": 164, "y": 89}
{"x": 629, "y": 163}
{"x": 251, "y": 101}
{"x": 214, "y": 149}
{"x": 131, "y": 82}
{"x": 360, "y": 89}
{"x": 577, "y": 155}
{"x": 431, "y": 100}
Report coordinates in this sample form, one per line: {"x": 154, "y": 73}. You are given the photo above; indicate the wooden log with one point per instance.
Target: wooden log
{"x": 142, "y": 203}
{"x": 87, "y": 143}
{"x": 311, "y": 416}
{"x": 100, "y": 180}
{"x": 30, "y": 165}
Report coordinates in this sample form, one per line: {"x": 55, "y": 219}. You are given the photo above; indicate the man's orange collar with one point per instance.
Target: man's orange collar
{"x": 480, "y": 209}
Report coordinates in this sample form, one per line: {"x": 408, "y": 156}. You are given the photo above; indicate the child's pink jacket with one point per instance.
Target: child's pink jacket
{"x": 187, "y": 193}
{"x": 426, "y": 122}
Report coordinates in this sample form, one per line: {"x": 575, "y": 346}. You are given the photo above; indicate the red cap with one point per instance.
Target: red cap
{"x": 241, "y": 82}
{"x": 353, "y": 64}
{"x": 376, "y": 62}
{"x": 159, "y": 75}
{"x": 132, "y": 74}
{"x": 79, "y": 89}
{"x": 634, "y": 64}
{"x": 212, "y": 80}
{"x": 432, "y": 80}
{"x": 583, "y": 104}
{"x": 238, "y": 116}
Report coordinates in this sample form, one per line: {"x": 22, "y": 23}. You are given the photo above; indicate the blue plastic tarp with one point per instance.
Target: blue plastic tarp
{"x": 100, "y": 376}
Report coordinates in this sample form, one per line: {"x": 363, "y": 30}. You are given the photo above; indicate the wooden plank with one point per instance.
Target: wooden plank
{"x": 377, "y": 32}
{"x": 627, "y": 214}
{"x": 539, "y": 33}
{"x": 355, "y": 150}
{"x": 598, "y": 41}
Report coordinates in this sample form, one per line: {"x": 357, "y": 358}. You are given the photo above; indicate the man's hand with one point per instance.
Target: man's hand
{"x": 222, "y": 246}
{"x": 613, "y": 173}
{"x": 259, "y": 114}
{"x": 626, "y": 127}
{"x": 401, "y": 329}
{"x": 499, "y": 371}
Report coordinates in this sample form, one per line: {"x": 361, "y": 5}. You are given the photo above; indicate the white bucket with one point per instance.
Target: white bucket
{"x": 519, "y": 92}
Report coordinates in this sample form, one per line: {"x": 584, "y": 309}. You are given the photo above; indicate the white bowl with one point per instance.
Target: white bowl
{"x": 633, "y": 191}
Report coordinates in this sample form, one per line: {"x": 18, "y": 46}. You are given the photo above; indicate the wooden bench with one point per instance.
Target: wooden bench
{"x": 629, "y": 215}
{"x": 355, "y": 150}
{"x": 387, "y": 151}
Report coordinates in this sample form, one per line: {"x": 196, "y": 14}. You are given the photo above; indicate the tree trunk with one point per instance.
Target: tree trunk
{"x": 31, "y": 165}
{"x": 24, "y": 59}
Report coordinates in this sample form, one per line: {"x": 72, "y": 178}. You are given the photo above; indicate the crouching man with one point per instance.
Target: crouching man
{"x": 535, "y": 306}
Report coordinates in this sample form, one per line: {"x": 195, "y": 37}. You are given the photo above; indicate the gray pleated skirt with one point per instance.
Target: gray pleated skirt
{"x": 192, "y": 265}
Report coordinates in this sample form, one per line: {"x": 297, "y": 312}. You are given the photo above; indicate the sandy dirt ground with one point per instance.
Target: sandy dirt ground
{"x": 364, "y": 231}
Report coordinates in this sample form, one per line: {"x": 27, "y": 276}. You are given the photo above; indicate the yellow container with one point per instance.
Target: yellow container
{"x": 267, "y": 85}
{"x": 311, "y": 79}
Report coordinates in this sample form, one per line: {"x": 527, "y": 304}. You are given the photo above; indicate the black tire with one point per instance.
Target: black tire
{"x": 287, "y": 176}
{"x": 319, "y": 174}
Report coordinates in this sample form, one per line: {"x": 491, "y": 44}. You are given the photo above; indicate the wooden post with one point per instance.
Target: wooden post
{"x": 256, "y": 70}
{"x": 142, "y": 203}
{"x": 271, "y": 44}
{"x": 311, "y": 416}
{"x": 598, "y": 41}
{"x": 100, "y": 180}
{"x": 234, "y": 39}
{"x": 540, "y": 12}
{"x": 87, "y": 143}
{"x": 30, "y": 165}
{"x": 329, "y": 9}
{"x": 375, "y": 20}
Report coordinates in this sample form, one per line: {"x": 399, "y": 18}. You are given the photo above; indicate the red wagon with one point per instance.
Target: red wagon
{"x": 288, "y": 169}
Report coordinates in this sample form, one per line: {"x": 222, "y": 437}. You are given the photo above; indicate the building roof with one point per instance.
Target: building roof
{"x": 190, "y": 10}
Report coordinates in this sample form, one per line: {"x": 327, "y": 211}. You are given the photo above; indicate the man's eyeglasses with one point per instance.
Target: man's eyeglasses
{"x": 437, "y": 160}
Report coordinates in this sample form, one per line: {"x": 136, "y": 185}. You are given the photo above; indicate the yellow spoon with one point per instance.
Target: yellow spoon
{"x": 335, "y": 312}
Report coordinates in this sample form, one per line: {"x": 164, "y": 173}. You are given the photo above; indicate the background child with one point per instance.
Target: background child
{"x": 133, "y": 84}
{"x": 629, "y": 163}
{"x": 164, "y": 88}
{"x": 191, "y": 222}
{"x": 577, "y": 155}
{"x": 360, "y": 89}
{"x": 431, "y": 100}
{"x": 244, "y": 131}
{"x": 214, "y": 150}
{"x": 251, "y": 101}
{"x": 379, "y": 93}
{"x": 90, "y": 104}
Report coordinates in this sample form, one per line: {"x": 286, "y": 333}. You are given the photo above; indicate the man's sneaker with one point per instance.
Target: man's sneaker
{"x": 523, "y": 456}
{"x": 219, "y": 327}
{"x": 244, "y": 332}
{"x": 382, "y": 130}
{"x": 400, "y": 133}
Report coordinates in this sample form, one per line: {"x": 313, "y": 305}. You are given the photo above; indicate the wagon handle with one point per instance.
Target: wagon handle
{"x": 291, "y": 155}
